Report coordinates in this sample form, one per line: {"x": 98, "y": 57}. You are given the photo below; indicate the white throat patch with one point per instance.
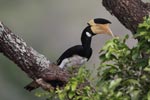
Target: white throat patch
{"x": 88, "y": 34}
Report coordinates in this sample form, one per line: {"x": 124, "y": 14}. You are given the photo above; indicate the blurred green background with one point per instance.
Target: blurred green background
{"x": 50, "y": 27}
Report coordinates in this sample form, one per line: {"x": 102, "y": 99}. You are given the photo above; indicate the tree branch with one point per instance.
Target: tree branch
{"x": 129, "y": 12}
{"x": 44, "y": 73}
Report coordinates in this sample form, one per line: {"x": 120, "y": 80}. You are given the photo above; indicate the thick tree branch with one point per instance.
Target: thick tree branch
{"x": 129, "y": 12}
{"x": 37, "y": 66}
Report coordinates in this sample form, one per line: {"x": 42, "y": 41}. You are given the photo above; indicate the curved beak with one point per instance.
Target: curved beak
{"x": 100, "y": 28}
{"x": 108, "y": 30}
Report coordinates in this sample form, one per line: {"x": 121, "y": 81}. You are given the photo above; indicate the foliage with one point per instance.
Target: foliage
{"x": 123, "y": 74}
{"x": 116, "y": 73}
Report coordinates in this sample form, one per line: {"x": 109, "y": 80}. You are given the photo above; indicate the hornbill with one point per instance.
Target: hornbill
{"x": 79, "y": 54}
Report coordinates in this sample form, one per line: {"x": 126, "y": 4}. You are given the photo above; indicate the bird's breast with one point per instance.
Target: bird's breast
{"x": 75, "y": 60}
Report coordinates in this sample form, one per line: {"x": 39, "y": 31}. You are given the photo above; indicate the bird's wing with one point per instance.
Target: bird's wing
{"x": 75, "y": 50}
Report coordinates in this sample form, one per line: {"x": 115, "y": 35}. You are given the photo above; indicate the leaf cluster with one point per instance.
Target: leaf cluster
{"x": 124, "y": 72}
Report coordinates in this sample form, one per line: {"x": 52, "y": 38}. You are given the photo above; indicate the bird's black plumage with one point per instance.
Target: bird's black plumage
{"x": 75, "y": 50}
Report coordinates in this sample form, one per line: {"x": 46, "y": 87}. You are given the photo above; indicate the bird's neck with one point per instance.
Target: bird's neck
{"x": 86, "y": 37}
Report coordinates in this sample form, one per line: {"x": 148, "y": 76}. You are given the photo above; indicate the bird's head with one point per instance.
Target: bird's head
{"x": 100, "y": 26}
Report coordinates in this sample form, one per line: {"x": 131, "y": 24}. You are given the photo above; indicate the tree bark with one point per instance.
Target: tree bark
{"x": 44, "y": 73}
{"x": 129, "y": 12}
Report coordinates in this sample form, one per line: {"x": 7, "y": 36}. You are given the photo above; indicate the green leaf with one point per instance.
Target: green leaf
{"x": 135, "y": 95}
{"x": 149, "y": 62}
{"x": 108, "y": 55}
{"x": 115, "y": 83}
{"x": 102, "y": 58}
{"x": 67, "y": 87}
{"x": 119, "y": 94}
{"x": 148, "y": 95}
{"x": 71, "y": 94}
{"x": 132, "y": 81}
{"x": 85, "y": 98}
{"x": 74, "y": 85}
{"x": 61, "y": 96}
{"x": 147, "y": 69}
{"x": 135, "y": 53}
{"x": 38, "y": 94}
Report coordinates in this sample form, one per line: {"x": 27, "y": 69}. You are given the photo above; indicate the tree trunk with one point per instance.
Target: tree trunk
{"x": 129, "y": 12}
